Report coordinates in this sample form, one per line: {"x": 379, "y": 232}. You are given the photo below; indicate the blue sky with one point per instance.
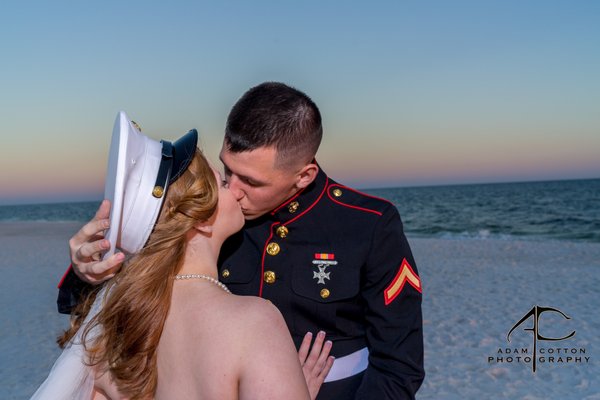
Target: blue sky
{"x": 412, "y": 93}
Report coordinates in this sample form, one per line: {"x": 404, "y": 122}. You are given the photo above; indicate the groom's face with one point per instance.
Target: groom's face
{"x": 256, "y": 182}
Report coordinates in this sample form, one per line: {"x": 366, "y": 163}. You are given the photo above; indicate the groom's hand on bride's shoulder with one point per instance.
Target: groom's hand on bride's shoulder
{"x": 316, "y": 361}
{"x": 87, "y": 246}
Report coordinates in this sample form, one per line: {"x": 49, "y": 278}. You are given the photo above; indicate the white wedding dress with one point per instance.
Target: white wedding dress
{"x": 70, "y": 378}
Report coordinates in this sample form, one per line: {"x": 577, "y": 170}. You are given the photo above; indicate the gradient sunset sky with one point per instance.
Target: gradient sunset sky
{"x": 411, "y": 92}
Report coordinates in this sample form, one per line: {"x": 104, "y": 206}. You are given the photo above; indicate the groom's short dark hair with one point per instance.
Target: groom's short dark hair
{"x": 274, "y": 114}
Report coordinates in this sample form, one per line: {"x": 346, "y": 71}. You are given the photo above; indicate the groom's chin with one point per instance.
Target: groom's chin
{"x": 250, "y": 215}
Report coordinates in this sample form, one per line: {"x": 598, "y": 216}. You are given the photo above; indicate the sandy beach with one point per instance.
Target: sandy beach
{"x": 475, "y": 291}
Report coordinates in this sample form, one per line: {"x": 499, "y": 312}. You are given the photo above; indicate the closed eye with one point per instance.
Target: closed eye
{"x": 245, "y": 179}
{"x": 249, "y": 182}
{"x": 224, "y": 182}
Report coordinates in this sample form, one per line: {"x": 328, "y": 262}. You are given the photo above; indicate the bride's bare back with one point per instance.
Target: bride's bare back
{"x": 219, "y": 346}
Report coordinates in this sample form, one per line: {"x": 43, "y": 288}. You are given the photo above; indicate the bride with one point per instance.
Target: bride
{"x": 164, "y": 327}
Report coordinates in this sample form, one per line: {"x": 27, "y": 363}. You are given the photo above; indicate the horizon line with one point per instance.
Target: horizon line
{"x": 27, "y": 202}
{"x": 480, "y": 183}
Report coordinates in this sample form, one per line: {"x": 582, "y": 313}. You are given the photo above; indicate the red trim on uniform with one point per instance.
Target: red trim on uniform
{"x": 405, "y": 274}
{"x": 287, "y": 202}
{"x": 363, "y": 194}
{"x": 310, "y": 207}
{"x": 262, "y": 263}
{"x": 62, "y": 280}
{"x": 355, "y": 207}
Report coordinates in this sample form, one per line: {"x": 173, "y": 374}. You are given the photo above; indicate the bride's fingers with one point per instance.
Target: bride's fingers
{"x": 323, "y": 356}
{"x": 313, "y": 356}
{"x": 326, "y": 368}
{"x": 304, "y": 347}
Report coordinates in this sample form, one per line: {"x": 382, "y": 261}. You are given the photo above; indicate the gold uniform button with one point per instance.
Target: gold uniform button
{"x": 269, "y": 277}
{"x": 282, "y": 231}
{"x": 158, "y": 192}
{"x": 337, "y": 192}
{"x": 225, "y": 273}
{"x": 325, "y": 293}
{"x": 273, "y": 249}
{"x": 293, "y": 206}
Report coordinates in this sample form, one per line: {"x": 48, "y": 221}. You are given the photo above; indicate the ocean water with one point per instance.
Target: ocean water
{"x": 55, "y": 212}
{"x": 560, "y": 210}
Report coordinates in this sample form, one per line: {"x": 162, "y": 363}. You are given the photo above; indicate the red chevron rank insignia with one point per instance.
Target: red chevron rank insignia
{"x": 405, "y": 274}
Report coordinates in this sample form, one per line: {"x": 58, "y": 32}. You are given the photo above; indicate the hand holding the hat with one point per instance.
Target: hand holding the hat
{"x": 87, "y": 246}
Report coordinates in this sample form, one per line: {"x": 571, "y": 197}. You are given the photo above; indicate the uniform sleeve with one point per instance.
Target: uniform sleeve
{"x": 71, "y": 291}
{"x": 392, "y": 293}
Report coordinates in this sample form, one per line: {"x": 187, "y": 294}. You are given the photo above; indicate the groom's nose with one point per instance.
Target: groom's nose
{"x": 235, "y": 188}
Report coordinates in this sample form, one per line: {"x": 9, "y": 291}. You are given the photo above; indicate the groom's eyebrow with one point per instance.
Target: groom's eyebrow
{"x": 248, "y": 179}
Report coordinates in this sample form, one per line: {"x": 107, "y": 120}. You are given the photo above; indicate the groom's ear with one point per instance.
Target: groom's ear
{"x": 306, "y": 175}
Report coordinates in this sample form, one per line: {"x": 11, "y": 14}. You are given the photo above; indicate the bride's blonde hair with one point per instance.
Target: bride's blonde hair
{"x": 132, "y": 319}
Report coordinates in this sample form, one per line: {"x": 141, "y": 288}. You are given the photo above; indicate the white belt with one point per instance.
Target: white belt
{"x": 349, "y": 365}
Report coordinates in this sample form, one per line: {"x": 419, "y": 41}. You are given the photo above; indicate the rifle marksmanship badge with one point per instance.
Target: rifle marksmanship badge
{"x": 322, "y": 261}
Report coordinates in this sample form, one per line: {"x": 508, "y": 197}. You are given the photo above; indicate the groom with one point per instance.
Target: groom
{"x": 329, "y": 257}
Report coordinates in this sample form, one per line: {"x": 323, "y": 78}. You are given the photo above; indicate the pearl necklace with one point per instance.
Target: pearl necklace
{"x": 205, "y": 277}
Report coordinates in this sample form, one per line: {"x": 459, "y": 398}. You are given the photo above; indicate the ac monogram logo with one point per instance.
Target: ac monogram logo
{"x": 535, "y": 313}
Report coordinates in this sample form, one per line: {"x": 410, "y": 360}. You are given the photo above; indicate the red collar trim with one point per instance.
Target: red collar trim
{"x": 309, "y": 207}
{"x": 288, "y": 201}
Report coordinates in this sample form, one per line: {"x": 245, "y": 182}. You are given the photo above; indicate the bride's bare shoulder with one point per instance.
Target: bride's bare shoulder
{"x": 255, "y": 314}
{"x": 229, "y": 313}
